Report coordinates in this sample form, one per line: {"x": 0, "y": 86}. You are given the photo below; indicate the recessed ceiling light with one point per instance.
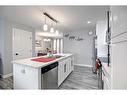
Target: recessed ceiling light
{"x": 88, "y": 22}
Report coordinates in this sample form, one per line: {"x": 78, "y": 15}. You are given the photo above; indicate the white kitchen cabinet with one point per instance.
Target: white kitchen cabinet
{"x": 119, "y": 20}
{"x": 64, "y": 69}
{"x": 119, "y": 47}
{"x": 71, "y": 64}
{"x": 61, "y": 72}
{"x": 27, "y": 73}
{"x": 119, "y": 65}
{"x": 26, "y": 77}
{"x": 106, "y": 76}
{"x": 106, "y": 84}
{"x": 68, "y": 67}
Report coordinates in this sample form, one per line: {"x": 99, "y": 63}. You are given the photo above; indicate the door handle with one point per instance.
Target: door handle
{"x": 64, "y": 68}
{"x": 16, "y": 54}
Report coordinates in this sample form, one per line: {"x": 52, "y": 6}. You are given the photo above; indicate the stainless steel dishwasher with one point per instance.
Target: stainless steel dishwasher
{"x": 49, "y": 76}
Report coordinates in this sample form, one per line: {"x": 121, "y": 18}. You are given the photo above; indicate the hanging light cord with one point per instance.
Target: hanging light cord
{"x": 45, "y": 19}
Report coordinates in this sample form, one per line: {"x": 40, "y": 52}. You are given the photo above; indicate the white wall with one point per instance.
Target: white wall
{"x": 101, "y": 28}
{"x": 81, "y": 49}
{"x": 7, "y": 44}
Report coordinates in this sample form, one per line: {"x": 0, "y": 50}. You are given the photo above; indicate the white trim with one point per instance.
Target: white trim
{"x": 84, "y": 65}
{"x": 7, "y": 75}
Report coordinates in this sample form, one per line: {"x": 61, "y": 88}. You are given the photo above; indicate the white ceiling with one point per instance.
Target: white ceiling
{"x": 70, "y": 17}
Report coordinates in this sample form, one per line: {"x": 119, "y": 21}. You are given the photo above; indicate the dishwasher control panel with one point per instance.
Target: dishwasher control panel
{"x": 49, "y": 67}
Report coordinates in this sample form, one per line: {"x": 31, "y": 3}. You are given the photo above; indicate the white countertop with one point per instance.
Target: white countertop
{"x": 34, "y": 64}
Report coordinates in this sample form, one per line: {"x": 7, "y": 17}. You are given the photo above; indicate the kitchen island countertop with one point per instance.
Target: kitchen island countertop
{"x": 35, "y": 64}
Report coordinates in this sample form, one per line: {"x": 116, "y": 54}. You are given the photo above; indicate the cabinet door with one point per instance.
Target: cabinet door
{"x": 68, "y": 66}
{"x": 119, "y": 65}
{"x": 61, "y": 70}
{"x": 119, "y": 17}
{"x": 64, "y": 69}
{"x": 72, "y": 63}
{"x": 106, "y": 85}
{"x": 26, "y": 78}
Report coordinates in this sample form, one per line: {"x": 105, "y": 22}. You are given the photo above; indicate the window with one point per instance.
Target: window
{"x": 58, "y": 45}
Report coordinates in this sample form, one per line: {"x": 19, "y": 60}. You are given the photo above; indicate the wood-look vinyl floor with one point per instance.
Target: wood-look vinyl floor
{"x": 80, "y": 78}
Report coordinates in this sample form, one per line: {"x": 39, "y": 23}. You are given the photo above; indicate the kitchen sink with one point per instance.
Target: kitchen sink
{"x": 57, "y": 56}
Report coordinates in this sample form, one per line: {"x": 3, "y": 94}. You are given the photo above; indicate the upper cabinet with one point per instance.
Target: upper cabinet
{"x": 119, "y": 47}
{"x": 119, "y": 20}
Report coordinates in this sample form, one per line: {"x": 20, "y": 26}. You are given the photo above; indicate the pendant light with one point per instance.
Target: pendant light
{"x": 52, "y": 29}
{"x": 56, "y": 32}
{"x": 45, "y": 27}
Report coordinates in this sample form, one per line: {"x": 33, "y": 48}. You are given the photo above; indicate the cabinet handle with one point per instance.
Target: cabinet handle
{"x": 64, "y": 68}
{"x": 16, "y": 54}
{"x": 71, "y": 63}
{"x": 23, "y": 71}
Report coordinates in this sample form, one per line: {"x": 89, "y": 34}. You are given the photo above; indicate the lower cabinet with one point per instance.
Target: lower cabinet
{"x": 106, "y": 84}
{"x": 106, "y": 80}
{"x": 25, "y": 77}
{"x": 119, "y": 64}
{"x": 64, "y": 69}
{"x": 61, "y": 70}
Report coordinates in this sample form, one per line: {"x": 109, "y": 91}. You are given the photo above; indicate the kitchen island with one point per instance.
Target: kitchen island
{"x": 27, "y": 73}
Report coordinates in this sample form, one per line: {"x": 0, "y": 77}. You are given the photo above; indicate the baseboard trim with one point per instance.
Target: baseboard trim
{"x": 83, "y": 65}
{"x": 7, "y": 75}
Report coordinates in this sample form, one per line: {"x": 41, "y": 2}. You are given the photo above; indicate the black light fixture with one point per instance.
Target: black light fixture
{"x": 50, "y": 17}
{"x": 45, "y": 27}
{"x": 53, "y": 20}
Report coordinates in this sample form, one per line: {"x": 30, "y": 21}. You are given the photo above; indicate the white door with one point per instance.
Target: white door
{"x": 22, "y": 44}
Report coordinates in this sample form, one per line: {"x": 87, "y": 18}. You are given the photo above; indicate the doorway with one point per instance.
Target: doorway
{"x": 22, "y": 44}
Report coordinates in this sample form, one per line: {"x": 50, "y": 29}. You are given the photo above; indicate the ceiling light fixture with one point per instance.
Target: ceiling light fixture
{"x": 53, "y": 20}
{"x": 52, "y": 29}
{"x": 56, "y": 32}
{"x": 45, "y": 27}
{"x": 88, "y": 22}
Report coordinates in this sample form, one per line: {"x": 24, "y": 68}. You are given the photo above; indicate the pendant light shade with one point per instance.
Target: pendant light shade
{"x": 57, "y": 32}
{"x": 45, "y": 27}
{"x": 52, "y": 30}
